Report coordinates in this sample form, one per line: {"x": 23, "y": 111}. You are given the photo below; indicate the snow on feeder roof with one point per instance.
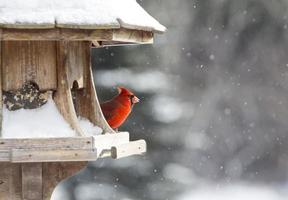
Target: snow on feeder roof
{"x": 84, "y": 14}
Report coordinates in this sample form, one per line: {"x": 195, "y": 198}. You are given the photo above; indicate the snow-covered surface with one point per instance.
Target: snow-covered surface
{"x": 88, "y": 127}
{"x": 43, "y": 122}
{"x": 77, "y": 14}
{"x": 235, "y": 192}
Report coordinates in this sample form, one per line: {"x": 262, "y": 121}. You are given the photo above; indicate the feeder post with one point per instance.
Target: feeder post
{"x": 34, "y": 181}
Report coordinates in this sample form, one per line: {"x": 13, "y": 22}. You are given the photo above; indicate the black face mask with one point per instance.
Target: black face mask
{"x": 131, "y": 99}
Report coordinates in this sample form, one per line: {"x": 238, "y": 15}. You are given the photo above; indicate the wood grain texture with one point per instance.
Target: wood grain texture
{"x": 56, "y": 34}
{"x": 132, "y": 148}
{"x": 52, "y": 155}
{"x": 5, "y": 156}
{"x": 132, "y": 36}
{"x": 29, "y": 61}
{"x": 120, "y": 35}
{"x": 76, "y": 63}
{"x": 31, "y": 181}
{"x": 34, "y": 181}
{"x": 56, "y": 143}
{"x": 63, "y": 96}
{"x": 88, "y": 26}
{"x": 54, "y": 173}
{"x": 86, "y": 100}
{"x": 28, "y": 26}
{"x": 10, "y": 181}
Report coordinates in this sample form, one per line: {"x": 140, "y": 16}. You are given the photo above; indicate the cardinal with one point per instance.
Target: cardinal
{"x": 118, "y": 108}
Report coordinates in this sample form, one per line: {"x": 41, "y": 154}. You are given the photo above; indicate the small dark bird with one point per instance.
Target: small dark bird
{"x": 118, "y": 109}
{"x": 27, "y": 97}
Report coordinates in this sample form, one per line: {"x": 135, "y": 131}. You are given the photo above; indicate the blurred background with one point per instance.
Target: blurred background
{"x": 214, "y": 106}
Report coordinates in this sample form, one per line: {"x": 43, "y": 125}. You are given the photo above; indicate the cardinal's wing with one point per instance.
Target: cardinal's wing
{"x": 109, "y": 109}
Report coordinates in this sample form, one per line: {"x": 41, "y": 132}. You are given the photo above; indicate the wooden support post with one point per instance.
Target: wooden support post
{"x": 34, "y": 181}
{"x": 10, "y": 181}
{"x": 54, "y": 173}
{"x": 63, "y": 96}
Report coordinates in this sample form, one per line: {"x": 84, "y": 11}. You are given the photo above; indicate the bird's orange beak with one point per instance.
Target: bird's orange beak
{"x": 135, "y": 100}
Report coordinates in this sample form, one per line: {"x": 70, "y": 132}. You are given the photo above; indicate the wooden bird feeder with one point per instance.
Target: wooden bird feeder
{"x": 48, "y": 44}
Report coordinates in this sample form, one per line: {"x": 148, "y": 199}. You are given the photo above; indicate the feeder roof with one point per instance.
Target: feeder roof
{"x": 76, "y": 14}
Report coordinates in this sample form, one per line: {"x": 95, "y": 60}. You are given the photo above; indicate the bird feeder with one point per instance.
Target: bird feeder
{"x": 45, "y": 49}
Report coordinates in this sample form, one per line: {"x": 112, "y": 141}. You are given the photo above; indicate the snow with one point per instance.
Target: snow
{"x": 235, "y": 192}
{"x": 84, "y": 13}
{"x": 43, "y": 122}
{"x": 88, "y": 127}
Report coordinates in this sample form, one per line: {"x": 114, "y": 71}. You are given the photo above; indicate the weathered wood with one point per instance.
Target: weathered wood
{"x": 132, "y": 36}
{"x": 128, "y": 149}
{"x": 64, "y": 149}
{"x": 29, "y": 61}
{"x": 51, "y": 26}
{"x": 63, "y": 96}
{"x": 10, "y": 181}
{"x": 86, "y": 100}
{"x": 89, "y": 26}
{"x": 54, "y": 173}
{"x": 5, "y": 156}
{"x": 56, "y": 34}
{"x": 52, "y": 155}
{"x": 77, "y": 62}
{"x": 32, "y": 181}
{"x": 120, "y": 35}
{"x": 28, "y": 26}
{"x": 56, "y": 143}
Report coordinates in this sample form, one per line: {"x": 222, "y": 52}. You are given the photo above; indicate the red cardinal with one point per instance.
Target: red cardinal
{"x": 117, "y": 109}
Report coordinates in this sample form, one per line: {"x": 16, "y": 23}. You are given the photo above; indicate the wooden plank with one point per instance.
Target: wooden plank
{"x": 32, "y": 181}
{"x": 51, "y": 26}
{"x": 10, "y": 181}
{"x": 120, "y": 35}
{"x": 63, "y": 95}
{"x": 103, "y": 143}
{"x": 57, "y": 34}
{"x": 29, "y": 61}
{"x": 28, "y": 26}
{"x": 133, "y": 36}
{"x": 86, "y": 101}
{"x": 55, "y": 172}
{"x": 88, "y": 26}
{"x": 52, "y": 155}
{"x": 109, "y": 140}
{"x": 68, "y": 143}
{"x": 5, "y": 156}
{"x": 128, "y": 149}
